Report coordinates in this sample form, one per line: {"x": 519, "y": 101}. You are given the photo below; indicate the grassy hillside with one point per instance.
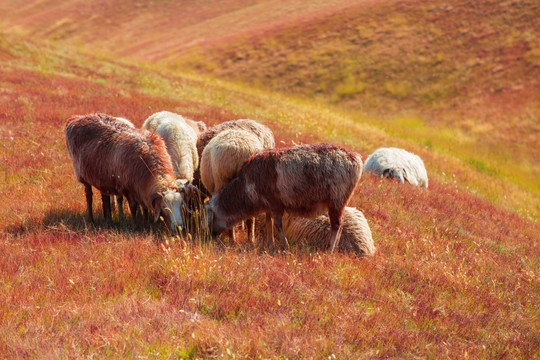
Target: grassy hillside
{"x": 454, "y": 275}
{"x": 460, "y": 77}
{"x": 456, "y": 79}
{"x": 150, "y": 29}
{"x": 457, "y": 266}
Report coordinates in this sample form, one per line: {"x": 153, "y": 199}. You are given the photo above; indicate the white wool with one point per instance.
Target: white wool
{"x": 224, "y": 156}
{"x": 180, "y": 139}
{"x": 355, "y": 237}
{"x": 399, "y": 163}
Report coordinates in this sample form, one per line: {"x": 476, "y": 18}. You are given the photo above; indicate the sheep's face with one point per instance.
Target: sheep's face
{"x": 213, "y": 222}
{"x": 394, "y": 174}
{"x": 168, "y": 205}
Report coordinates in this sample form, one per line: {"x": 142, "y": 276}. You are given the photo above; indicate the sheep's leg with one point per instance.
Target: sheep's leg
{"x": 335, "y": 237}
{"x": 250, "y": 226}
{"x": 88, "y": 193}
{"x": 336, "y": 227}
{"x": 278, "y": 220}
{"x": 133, "y": 206}
{"x": 269, "y": 229}
{"x": 146, "y": 217}
{"x": 106, "y": 200}
{"x": 120, "y": 203}
{"x": 113, "y": 205}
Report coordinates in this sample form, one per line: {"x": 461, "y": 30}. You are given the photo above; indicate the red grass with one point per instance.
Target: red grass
{"x": 453, "y": 274}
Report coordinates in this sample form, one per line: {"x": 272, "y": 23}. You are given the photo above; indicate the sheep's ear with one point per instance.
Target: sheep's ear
{"x": 156, "y": 201}
{"x": 401, "y": 177}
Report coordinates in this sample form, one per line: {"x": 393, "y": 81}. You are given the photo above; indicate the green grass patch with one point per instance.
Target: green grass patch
{"x": 483, "y": 167}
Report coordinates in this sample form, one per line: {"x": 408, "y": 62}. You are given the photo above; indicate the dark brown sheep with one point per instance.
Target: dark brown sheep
{"x": 303, "y": 180}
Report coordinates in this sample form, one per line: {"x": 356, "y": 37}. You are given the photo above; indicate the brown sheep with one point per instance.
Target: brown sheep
{"x": 303, "y": 180}
{"x": 223, "y": 158}
{"x": 117, "y": 161}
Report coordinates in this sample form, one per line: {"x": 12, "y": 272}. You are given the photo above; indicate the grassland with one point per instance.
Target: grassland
{"x": 455, "y": 274}
{"x": 431, "y": 74}
{"x": 426, "y": 71}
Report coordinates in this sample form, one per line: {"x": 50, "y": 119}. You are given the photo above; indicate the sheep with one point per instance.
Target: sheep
{"x": 399, "y": 164}
{"x": 263, "y": 133}
{"x": 133, "y": 163}
{"x": 303, "y": 180}
{"x": 223, "y": 158}
{"x": 356, "y": 235}
{"x": 180, "y": 139}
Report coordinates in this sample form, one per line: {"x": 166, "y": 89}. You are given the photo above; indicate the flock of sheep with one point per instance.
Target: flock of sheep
{"x": 172, "y": 165}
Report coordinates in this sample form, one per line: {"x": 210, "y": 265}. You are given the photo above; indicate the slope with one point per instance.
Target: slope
{"x": 454, "y": 275}
{"x": 461, "y": 77}
{"x": 150, "y": 30}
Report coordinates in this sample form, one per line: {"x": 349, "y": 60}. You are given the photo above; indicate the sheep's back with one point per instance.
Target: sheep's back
{"x": 317, "y": 173}
{"x": 224, "y": 156}
{"x": 180, "y": 141}
{"x": 115, "y": 161}
{"x": 398, "y": 159}
{"x": 315, "y": 232}
{"x": 265, "y": 135}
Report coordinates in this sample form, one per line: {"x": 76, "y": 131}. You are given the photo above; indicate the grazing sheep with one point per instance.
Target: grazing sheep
{"x": 303, "y": 180}
{"x": 180, "y": 139}
{"x": 263, "y": 133}
{"x": 355, "y": 237}
{"x": 131, "y": 163}
{"x": 223, "y": 158}
{"x": 399, "y": 164}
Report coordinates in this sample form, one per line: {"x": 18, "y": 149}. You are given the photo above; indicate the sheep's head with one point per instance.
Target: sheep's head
{"x": 212, "y": 221}
{"x": 168, "y": 204}
{"x": 394, "y": 174}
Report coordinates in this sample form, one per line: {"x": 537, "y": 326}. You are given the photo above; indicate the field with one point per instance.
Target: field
{"x": 456, "y": 272}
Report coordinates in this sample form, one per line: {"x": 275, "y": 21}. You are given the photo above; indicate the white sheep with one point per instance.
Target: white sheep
{"x": 223, "y": 158}
{"x": 180, "y": 139}
{"x": 262, "y": 132}
{"x": 399, "y": 164}
{"x": 355, "y": 237}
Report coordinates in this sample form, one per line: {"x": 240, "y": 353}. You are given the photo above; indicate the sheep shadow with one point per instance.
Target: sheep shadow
{"x": 64, "y": 220}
